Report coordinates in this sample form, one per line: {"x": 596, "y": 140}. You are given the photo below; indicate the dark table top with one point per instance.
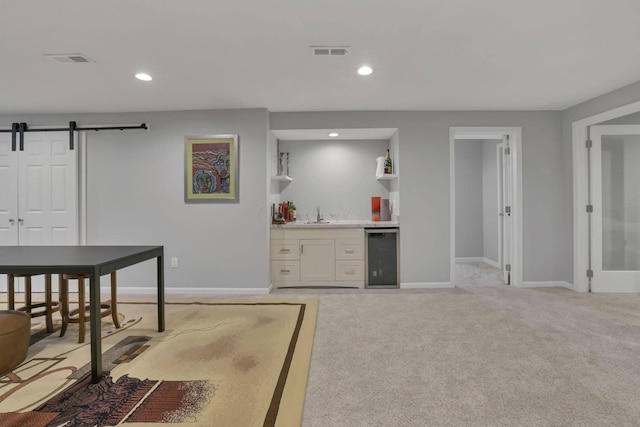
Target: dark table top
{"x": 73, "y": 259}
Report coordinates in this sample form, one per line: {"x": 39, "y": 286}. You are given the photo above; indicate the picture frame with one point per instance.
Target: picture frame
{"x": 211, "y": 169}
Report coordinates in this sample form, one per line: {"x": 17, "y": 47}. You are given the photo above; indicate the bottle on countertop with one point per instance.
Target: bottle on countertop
{"x": 292, "y": 212}
{"x": 388, "y": 165}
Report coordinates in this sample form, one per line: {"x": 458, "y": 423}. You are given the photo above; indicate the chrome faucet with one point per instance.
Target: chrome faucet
{"x": 318, "y": 216}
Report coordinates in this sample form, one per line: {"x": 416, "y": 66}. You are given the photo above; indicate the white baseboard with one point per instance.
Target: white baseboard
{"x": 426, "y": 285}
{"x": 190, "y": 291}
{"x": 566, "y": 285}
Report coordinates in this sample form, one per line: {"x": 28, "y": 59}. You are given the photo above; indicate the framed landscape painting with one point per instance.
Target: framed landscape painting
{"x": 211, "y": 168}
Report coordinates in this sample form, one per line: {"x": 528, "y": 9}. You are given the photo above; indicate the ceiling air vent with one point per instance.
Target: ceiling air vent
{"x": 69, "y": 58}
{"x": 329, "y": 50}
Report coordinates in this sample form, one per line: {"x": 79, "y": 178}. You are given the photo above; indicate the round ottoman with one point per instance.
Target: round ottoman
{"x": 15, "y": 333}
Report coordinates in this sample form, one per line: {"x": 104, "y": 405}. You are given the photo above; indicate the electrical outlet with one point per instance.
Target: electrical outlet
{"x": 174, "y": 262}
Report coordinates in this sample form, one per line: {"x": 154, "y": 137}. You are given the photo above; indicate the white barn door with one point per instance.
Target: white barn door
{"x": 48, "y": 190}
{"x": 8, "y": 192}
{"x": 38, "y": 193}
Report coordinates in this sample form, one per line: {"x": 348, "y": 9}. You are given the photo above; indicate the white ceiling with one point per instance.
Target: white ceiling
{"x": 207, "y": 54}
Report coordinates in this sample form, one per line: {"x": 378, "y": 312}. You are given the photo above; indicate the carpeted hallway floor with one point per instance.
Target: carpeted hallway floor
{"x": 474, "y": 356}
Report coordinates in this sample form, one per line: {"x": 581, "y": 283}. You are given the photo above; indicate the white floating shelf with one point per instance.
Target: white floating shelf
{"x": 387, "y": 176}
{"x": 282, "y": 178}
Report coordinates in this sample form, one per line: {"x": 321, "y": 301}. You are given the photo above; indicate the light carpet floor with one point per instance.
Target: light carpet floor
{"x": 472, "y": 356}
{"x": 475, "y": 356}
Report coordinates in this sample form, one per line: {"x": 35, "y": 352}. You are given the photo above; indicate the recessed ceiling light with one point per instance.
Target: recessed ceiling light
{"x": 144, "y": 77}
{"x": 365, "y": 70}
{"x": 334, "y": 134}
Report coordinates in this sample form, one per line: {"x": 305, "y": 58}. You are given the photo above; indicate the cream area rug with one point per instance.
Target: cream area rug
{"x": 235, "y": 363}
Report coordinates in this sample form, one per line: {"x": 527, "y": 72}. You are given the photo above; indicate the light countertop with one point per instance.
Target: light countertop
{"x": 339, "y": 224}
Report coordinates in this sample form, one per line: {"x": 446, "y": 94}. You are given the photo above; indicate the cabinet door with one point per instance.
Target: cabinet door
{"x": 350, "y": 270}
{"x": 284, "y": 272}
{"x": 8, "y": 192}
{"x": 349, "y": 248}
{"x": 285, "y": 249}
{"x": 317, "y": 260}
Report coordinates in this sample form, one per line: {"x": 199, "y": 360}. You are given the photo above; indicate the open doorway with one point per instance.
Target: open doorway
{"x": 485, "y": 206}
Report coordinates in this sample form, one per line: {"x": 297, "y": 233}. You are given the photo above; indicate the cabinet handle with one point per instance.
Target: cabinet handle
{"x": 20, "y": 221}
{"x": 350, "y": 272}
{"x": 285, "y": 251}
{"x": 11, "y": 220}
{"x": 301, "y": 249}
{"x": 349, "y": 251}
{"x": 285, "y": 271}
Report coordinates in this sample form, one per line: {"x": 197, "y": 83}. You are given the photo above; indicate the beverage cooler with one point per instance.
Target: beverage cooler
{"x": 381, "y": 258}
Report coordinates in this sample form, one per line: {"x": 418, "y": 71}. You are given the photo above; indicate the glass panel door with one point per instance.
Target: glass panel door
{"x": 615, "y": 254}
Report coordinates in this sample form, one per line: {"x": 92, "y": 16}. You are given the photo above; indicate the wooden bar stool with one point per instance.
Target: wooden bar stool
{"x": 81, "y": 315}
{"x": 47, "y": 308}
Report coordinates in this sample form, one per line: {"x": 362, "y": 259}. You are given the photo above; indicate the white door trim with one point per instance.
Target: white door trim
{"x": 82, "y": 188}
{"x": 499, "y": 168}
{"x": 515, "y": 137}
{"x": 580, "y": 191}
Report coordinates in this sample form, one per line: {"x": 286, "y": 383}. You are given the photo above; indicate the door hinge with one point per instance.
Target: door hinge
{"x": 507, "y": 151}
{"x": 588, "y": 143}
{"x": 589, "y": 273}
{"x": 589, "y": 208}
{"x": 507, "y": 210}
{"x": 507, "y": 267}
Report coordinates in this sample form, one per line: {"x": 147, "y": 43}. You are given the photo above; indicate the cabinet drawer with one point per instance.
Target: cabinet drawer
{"x": 350, "y": 270}
{"x": 285, "y": 271}
{"x": 285, "y": 249}
{"x": 349, "y": 249}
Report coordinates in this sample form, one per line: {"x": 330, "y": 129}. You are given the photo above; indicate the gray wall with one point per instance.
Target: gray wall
{"x": 136, "y": 196}
{"x": 394, "y": 185}
{"x": 338, "y": 176}
{"x": 424, "y": 183}
{"x": 476, "y": 199}
{"x": 629, "y": 119}
{"x": 469, "y": 210}
{"x": 136, "y": 180}
{"x": 490, "y": 200}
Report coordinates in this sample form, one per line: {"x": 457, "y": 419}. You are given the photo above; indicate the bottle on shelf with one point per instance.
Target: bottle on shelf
{"x": 388, "y": 165}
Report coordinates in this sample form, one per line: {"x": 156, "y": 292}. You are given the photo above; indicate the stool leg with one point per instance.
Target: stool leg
{"x": 48, "y": 306}
{"x": 114, "y": 303}
{"x": 81, "y": 310}
{"x": 64, "y": 300}
{"x": 27, "y": 293}
{"x": 11, "y": 289}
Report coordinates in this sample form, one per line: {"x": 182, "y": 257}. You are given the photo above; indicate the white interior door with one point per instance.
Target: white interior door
{"x": 38, "y": 194}
{"x": 506, "y": 223}
{"x": 48, "y": 190}
{"x": 615, "y": 196}
{"x": 8, "y": 192}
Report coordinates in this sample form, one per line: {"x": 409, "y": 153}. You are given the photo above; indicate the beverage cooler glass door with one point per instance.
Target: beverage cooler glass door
{"x": 382, "y": 258}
